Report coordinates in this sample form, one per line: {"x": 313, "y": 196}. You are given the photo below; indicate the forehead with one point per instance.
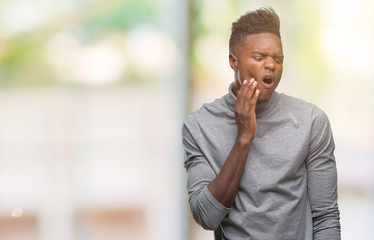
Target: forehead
{"x": 267, "y": 43}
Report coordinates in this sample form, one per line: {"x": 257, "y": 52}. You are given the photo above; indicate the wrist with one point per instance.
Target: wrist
{"x": 244, "y": 140}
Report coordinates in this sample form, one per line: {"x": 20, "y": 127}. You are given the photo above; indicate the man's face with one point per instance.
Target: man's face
{"x": 259, "y": 56}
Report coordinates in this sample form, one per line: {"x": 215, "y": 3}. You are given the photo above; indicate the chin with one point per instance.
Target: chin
{"x": 264, "y": 98}
{"x": 265, "y": 95}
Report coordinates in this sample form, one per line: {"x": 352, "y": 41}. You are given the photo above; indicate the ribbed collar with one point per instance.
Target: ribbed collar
{"x": 261, "y": 108}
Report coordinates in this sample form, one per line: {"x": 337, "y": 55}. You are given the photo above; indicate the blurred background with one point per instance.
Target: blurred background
{"x": 93, "y": 94}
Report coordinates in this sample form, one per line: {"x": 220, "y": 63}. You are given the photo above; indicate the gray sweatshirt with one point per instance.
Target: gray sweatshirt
{"x": 288, "y": 189}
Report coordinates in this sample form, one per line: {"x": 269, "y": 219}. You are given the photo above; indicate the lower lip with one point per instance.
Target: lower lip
{"x": 267, "y": 85}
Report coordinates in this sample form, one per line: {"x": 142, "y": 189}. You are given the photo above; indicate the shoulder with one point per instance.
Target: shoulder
{"x": 206, "y": 113}
{"x": 295, "y": 103}
{"x": 301, "y": 107}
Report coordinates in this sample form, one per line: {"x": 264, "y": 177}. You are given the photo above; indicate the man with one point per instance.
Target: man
{"x": 260, "y": 165}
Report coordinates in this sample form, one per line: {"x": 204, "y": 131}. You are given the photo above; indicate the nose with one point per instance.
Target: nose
{"x": 269, "y": 63}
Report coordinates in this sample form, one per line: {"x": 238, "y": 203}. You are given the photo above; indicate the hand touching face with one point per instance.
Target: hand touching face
{"x": 245, "y": 115}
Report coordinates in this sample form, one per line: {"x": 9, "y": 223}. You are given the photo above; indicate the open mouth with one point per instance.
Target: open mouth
{"x": 268, "y": 81}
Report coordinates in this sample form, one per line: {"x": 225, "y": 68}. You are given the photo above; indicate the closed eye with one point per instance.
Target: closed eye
{"x": 258, "y": 58}
{"x": 278, "y": 59}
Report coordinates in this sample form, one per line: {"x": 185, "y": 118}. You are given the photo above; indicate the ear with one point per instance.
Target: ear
{"x": 233, "y": 62}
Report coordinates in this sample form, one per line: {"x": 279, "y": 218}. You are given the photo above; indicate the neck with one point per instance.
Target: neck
{"x": 263, "y": 107}
{"x": 236, "y": 87}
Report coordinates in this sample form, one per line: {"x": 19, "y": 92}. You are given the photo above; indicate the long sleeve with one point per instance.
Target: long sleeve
{"x": 322, "y": 180}
{"x": 206, "y": 210}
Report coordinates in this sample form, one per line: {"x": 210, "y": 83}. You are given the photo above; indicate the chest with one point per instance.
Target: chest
{"x": 280, "y": 147}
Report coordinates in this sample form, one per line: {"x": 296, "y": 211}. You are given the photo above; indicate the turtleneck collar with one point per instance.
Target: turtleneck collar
{"x": 261, "y": 108}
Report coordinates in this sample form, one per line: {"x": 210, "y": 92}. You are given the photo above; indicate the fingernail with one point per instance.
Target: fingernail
{"x": 251, "y": 81}
{"x": 245, "y": 82}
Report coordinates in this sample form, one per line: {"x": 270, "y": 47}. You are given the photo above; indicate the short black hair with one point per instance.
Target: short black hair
{"x": 262, "y": 20}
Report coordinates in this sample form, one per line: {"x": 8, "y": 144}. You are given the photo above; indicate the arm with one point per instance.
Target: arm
{"x": 225, "y": 186}
{"x": 211, "y": 196}
{"x": 322, "y": 180}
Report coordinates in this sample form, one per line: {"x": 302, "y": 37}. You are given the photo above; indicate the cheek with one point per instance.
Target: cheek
{"x": 280, "y": 70}
{"x": 250, "y": 70}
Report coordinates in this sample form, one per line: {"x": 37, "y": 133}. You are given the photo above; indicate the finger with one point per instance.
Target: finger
{"x": 249, "y": 95}
{"x": 242, "y": 92}
{"x": 246, "y": 86}
{"x": 255, "y": 97}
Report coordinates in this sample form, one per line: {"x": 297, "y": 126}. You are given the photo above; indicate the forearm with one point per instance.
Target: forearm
{"x": 327, "y": 226}
{"x": 323, "y": 200}
{"x": 225, "y": 186}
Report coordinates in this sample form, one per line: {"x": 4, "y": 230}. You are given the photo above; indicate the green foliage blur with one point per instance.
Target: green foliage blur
{"x": 23, "y": 60}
